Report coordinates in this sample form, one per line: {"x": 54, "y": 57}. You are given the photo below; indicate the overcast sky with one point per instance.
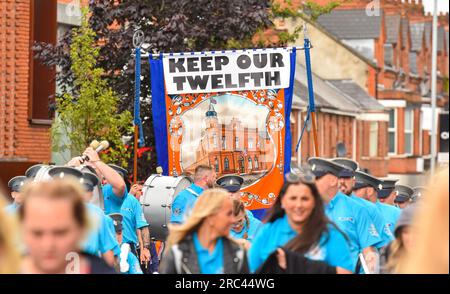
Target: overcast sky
{"x": 442, "y": 5}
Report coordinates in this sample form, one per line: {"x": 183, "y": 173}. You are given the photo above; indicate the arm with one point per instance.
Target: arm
{"x": 372, "y": 259}
{"x": 144, "y": 243}
{"x": 113, "y": 178}
{"x": 109, "y": 258}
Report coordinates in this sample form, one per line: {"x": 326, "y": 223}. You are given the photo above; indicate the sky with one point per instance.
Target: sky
{"x": 442, "y": 5}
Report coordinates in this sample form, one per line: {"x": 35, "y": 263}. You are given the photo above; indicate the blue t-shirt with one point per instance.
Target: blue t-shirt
{"x": 270, "y": 236}
{"x": 112, "y": 202}
{"x": 378, "y": 221}
{"x": 101, "y": 237}
{"x": 251, "y": 230}
{"x": 390, "y": 214}
{"x": 353, "y": 220}
{"x": 209, "y": 263}
{"x": 133, "y": 219}
{"x": 333, "y": 248}
{"x": 184, "y": 202}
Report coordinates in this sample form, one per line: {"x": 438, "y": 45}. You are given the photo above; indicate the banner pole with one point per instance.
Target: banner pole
{"x": 312, "y": 108}
{"x": 138, "y": 38}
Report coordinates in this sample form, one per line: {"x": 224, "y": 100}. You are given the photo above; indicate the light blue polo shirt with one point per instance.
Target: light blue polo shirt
{"x": 184, "y": 202}
{"x": 252, "y": 229}
{"x": 333, "y": 248}
{"x": 111, "y": 201}
{"x": 378, "y": 221}
{"x": 209, "y": 263}
{"x": 133, "y": 219}
{"x": 353, "y": 220}
{"x": 101, "y": 238}
{"x": 390, "y": 214}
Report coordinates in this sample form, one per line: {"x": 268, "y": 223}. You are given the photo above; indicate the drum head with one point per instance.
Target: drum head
{"x": 158, "y": 194}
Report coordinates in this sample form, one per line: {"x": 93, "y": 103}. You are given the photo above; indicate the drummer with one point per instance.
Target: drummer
{"x": 204, "y": 178}
{"x": 246, "y": 225}
{"x": 115, "y": 190}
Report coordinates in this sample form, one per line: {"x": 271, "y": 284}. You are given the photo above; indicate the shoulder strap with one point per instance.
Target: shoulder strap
{"x": 192, "y": 192}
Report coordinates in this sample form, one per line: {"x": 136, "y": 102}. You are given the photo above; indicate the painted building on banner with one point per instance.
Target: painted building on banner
{"x": 232, "y": 148}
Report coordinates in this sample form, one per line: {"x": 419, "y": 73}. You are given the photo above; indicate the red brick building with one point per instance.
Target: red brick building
{"x": 27, "y": 87}
{"x": 401, "y": 48}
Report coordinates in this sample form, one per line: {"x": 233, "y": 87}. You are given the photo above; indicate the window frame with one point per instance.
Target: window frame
{"x": 394, "y": 130}
{"x": 410, "y": 131}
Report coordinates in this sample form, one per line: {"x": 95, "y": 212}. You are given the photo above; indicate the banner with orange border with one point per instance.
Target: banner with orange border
{"x": 229, "y": 110}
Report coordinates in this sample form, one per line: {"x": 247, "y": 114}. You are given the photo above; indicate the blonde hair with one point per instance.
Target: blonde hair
{"x": 58, "y": 189}
{"x": 9, "y": 255}
{"x": 430, "y": 254}
{"x": 396, "y": 255}
{"x": 208, "y": 203}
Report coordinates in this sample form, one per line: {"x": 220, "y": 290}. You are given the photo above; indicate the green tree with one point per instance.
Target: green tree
{"x": 90, "y": 111}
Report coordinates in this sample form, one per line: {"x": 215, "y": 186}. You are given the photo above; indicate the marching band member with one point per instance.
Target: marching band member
{"x": 386, "y": 194}
{"x": 15, "y": 184}
{"x": 128, "y": 262}
{"x": 204, "y": 178}
{"x": 201, "y": 244}
{"x": 114, "y": 191}
{"x": 348, "y": 215}
{"x": 403, "y": 195}
{"x": 367, "y": 187}
{"x": 298, "y": 222}
{"x": 346, "y": 184}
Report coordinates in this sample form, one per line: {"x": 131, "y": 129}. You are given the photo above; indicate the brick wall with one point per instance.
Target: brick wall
{"x": 19, "y": 140}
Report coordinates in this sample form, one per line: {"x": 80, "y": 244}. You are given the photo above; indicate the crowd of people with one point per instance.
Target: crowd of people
{"x": 331, "y": 216}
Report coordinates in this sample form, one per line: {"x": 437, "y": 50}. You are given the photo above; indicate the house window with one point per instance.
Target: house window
{"x": 44, "y": 29}
{"x": 236, "y": 142}
{"x": 216, "y": 165}
{"x": 226, "y": 163}
{"x": 373, "y": 137}
{"x": 392, "y": 131}
{"x": 256, "y": 163}
{"x": 409, "y": 122}
{"x": 250, "y": 166}
{"x": 224, "y": 142}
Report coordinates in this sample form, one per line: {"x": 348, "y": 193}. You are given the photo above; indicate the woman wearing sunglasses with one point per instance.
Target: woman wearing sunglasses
{"x": 298, "y": 223}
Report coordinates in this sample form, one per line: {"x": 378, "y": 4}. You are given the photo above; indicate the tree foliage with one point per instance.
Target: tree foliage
{"x": 90, "y": 111}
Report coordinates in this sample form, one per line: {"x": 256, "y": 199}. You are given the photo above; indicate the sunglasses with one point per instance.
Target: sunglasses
{"x": 298, "y": 174}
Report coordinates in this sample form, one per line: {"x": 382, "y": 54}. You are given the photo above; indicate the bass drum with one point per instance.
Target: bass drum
{"x": 158, "y": 194}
